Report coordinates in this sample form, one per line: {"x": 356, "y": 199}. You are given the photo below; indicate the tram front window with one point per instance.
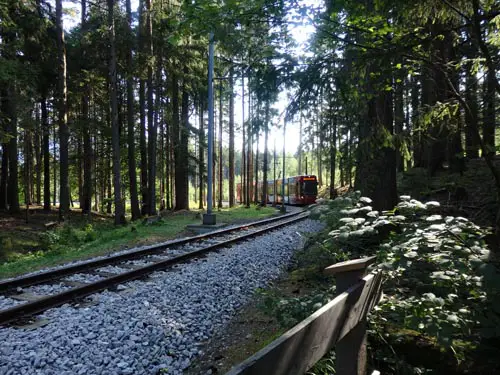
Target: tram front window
{"x": 310, "y": 188}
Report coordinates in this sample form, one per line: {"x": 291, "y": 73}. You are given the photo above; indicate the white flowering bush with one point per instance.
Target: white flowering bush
{"x": 439, "y": 284}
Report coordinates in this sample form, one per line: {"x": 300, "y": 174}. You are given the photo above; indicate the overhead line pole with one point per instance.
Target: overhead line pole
{"x": 275, "y": 192}
{"x": 209, "y": 217}
{"x": 283, "y": 208}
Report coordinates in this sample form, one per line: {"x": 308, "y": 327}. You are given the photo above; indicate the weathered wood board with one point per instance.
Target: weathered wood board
{"x": 302, "y": 346}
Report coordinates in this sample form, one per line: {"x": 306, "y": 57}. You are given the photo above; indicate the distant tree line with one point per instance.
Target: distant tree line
{"x": 113, "y": 112}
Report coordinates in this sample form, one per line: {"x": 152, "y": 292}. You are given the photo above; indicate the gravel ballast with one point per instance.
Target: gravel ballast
{"x": 159, "y": 323}
{"x": 7, "y": 303}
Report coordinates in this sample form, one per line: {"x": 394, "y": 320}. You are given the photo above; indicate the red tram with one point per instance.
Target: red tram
{"x": 299, "y": 190}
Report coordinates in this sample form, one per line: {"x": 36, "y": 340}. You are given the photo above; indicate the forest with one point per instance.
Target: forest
{"x": 104, "y": 149}
{"x": 110, "y": 115}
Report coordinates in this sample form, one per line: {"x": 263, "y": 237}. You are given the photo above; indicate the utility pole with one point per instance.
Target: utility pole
{"x": 221, "y": 182}
{"x": 209, "y": 217}
{"x": 274, "y": 176}
{"x": 283, "y": 208}
{"x": 243, "y": 168}
{"x": 300, "y": 139}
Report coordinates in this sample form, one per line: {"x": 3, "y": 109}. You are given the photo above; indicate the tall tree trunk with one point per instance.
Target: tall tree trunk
{"x": 38, "y": 158}
{"x": 46, "y": 154}
{"x": 471, "y": 116}
{"x": 86, "y": 202}
{"x": 182, "y": 173}
{"x": 63, "y": 117}
{"x": 319, "y": 120}
{"x": 54, "y": 163}
{"x": 28, "y": 166}
{"x": 266, "y": 151}
{"x": 168, "y": 162}
{"x": 249, "y": 165}
{"x": 142, "y": 119}
{"x": 428, "y": 99}
{"x": 231, "y": 138}
{"x": 115, "y": 128}
{"x": 134, "y": 200}
{"x": 176, "y": 128}
{"x": 108, "y": 184}
{"x": 416, "y": 134}
{"x": 143, "y": 147}
{"x": 201, "y": 154}
{"x": 439, "y": 130}
{"x": 4, "y": 177}
{"x": 244, "y": 184}
{"x": 342, "y": 163}
{"x": 79, "y": 169}
{"x": 349, "y": 158}
{"x": 256, "y": 183}
{"x": 10, "y": 119}
{"x": 376, "y": 162}
{"x": 455, "y": 149}
{"x": 489, "y": 114}
{"x": 5, "y": 157}
{"x": 221, "y": 115}
{"x": 377, "y": 168}
{"x": 12, "y": 183}
{"x": 152, "y": 131}
{"x": 96, "y": 179}
{"x": 161, "y": 154}
{"x": 333, "y": 153}
{"x": 399, "y": 116}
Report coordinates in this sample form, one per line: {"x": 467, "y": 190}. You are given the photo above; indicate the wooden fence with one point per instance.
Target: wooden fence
{"x": 341, "y": 324}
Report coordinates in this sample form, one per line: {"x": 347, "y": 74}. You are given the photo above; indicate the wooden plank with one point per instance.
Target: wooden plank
{"x": 73, "y": 283}
{"x": 350, "y": 265}
{"x": 129, "y": 266}
{"x": 30, "y": 297}
{"x": 301, "y": 347}
{"x": 101, "y": 273}
{"x": 350, "y": 352}
{"x": 37, "y": 323}
{"x": 50, "y": 224}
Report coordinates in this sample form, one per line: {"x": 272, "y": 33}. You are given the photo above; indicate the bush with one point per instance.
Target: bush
{"x": 89, "y": 233}
{"x": 49, "y": 239}
{"x": 6, "y": 247}
{"x": 440, "y": 284}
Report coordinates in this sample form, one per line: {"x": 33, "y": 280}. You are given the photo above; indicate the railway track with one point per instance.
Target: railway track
{"x": 113, "y": 270}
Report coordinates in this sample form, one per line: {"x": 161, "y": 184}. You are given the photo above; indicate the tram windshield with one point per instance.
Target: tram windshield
{"x": 310, "y": 187}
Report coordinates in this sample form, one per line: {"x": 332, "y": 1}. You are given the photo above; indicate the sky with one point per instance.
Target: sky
{"x": 301, "y": 34}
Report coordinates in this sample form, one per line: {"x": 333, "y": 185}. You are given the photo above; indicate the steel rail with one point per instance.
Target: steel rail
{"x": 45, "y": 303}
{"x": 43, "y": 277}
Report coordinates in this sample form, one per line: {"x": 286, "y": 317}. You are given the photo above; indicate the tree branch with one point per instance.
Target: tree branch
{"x": 458, "y": 11}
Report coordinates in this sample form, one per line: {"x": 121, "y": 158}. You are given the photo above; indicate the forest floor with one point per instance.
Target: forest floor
{"x": 29, "y": 245}
{"x": 451, "y": 329}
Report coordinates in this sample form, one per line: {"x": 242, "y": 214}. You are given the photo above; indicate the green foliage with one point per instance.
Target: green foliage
{"x": 290, "y": 311}
{"x": 440, "y": 286}
{"x": 6, "y": 246}
{"x": 49, "y": 239}
{"x": 80, "y": 241}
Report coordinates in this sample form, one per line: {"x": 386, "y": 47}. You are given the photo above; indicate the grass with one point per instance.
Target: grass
{"x": 77, "y": 241}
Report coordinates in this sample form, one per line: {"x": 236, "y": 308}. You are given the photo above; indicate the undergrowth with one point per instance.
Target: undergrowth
{"x": 69, "y": 242}
{"x": 440, "y": 308}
